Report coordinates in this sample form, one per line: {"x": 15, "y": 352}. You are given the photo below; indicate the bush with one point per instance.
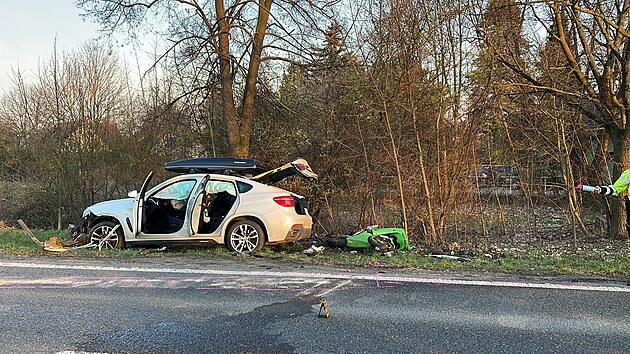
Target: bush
{"x": 28, "y": 201}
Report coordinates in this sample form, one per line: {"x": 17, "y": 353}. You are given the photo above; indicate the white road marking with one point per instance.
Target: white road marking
{"x": 373, "y": 277}
{"x": 334, "y": 288}
{"x": 317, "y": 285}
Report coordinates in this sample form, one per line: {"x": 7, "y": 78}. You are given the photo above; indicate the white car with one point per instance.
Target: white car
{"x": 214, "y": 200}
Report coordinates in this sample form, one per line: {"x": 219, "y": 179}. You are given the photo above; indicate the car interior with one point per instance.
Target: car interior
{"x": 164, "y": 216}
{"x": 214, "y": 210}
{"x": 212, "y": 206}
{"x": 165, "y": 210}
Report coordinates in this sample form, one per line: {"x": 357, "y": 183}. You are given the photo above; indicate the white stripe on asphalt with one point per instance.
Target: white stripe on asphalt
{"x": 373, "y": 277}
{"x": 334, "y": 288}
{"x": 314, "y": 287}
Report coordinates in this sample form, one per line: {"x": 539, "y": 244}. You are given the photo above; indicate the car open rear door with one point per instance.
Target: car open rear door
{"x": 138, "y": 206}
{"x": 298, "y": 167}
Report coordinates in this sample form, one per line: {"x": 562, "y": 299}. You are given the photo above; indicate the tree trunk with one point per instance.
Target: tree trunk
{"x": 227, "y": 89}
{"x": 621, "y": 157}
{"x": 247, "y": 116}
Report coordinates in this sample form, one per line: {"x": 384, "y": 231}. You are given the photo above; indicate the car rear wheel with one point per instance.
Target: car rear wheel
{"x": 98, "y": 235}
{"x": 245, "y": 236}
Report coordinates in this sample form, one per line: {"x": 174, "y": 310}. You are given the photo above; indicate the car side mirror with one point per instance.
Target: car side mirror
{"x": 132, "y": 194}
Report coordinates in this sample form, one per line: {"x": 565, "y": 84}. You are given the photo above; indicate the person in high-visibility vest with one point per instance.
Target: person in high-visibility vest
{"x": 621, "y": 184}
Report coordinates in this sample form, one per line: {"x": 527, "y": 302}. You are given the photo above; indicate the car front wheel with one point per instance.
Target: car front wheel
{"x": 245, "y": 236}
{"x": 100, "y": 236}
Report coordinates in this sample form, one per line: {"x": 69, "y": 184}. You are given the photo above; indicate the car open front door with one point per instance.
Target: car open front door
{"x": 298, "y": 167}
{"x": 138, "y": 206}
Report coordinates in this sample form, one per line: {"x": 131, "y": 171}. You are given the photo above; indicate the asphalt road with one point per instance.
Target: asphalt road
{"x": 66, "y": 305}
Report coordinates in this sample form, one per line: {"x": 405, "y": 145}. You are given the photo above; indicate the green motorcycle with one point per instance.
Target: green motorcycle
{"x": 373, "y": 237}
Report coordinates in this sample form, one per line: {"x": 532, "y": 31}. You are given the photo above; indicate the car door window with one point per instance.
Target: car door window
{"x": 214, "y": 187}
{"x": 179, "y": 190}
{"x": 166, "y": 208}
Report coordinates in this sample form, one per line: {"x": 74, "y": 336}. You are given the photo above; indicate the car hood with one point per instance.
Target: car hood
{"x": 111, "y": 206}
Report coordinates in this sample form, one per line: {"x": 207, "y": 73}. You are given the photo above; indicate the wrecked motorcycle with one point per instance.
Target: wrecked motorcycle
{"x": 373, "y": 237}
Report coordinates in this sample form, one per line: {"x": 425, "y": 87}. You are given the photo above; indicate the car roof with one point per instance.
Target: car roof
{"x": 212, "y": 175}
{"x": 199, "y": 176}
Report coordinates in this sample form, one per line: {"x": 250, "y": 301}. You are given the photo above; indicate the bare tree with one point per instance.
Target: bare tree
{"x": 66, "y": 128}
{"x": 224, "y": 43}
{"x": 595, "y": 45}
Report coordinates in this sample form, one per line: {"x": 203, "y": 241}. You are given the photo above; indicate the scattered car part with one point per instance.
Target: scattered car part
{"x": 313, "y": 250}
{"x": 452, "y": 257}
{"x": 53, "y": 244}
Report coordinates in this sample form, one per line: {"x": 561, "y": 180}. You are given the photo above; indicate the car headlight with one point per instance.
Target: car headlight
{"x": 86, "y": 212}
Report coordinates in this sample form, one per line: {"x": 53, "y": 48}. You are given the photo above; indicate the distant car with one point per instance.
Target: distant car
{"x": 496, "y": 175}
{"x": 213, "y": 200}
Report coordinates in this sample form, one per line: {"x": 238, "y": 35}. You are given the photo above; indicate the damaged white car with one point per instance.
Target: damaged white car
{"x": 213, "y": 200}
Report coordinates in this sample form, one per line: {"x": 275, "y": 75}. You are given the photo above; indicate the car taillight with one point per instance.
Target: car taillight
{"x": 285, "y": 201}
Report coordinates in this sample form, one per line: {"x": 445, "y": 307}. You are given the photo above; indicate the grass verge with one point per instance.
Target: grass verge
{"x": 609, "y": 264}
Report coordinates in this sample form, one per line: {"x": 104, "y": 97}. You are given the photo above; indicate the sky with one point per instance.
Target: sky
{"x": 27, "y": 34}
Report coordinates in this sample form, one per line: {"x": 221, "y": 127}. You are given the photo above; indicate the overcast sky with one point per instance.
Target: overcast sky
{"x": 28, "y": 29}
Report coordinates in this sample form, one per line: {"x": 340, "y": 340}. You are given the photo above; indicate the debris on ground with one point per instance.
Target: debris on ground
{"x": 453, "y": 257}
{"x": 313, "y": 250}
{"x": 454, "y": 247}
{"x": 324, "y": 306}
{"x": 55, "y": 243}
{"x": 152, "y": 250}
{"x": 452, "y": 251}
